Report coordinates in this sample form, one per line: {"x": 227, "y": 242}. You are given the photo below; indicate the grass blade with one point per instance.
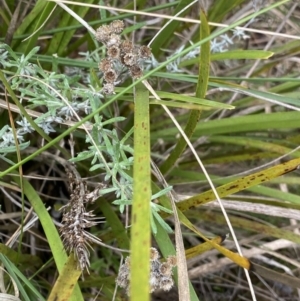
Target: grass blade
{"x": 140, "y": 231}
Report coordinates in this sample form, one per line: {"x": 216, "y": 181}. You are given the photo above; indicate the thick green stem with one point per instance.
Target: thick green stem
{"x": 140, "y": 230}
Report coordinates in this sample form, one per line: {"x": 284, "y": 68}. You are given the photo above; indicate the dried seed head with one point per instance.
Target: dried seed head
{"x": 144, "y": 52}
{"x": 165, "y": 269}
{"x": 154, "y": 254}
{"x": 76, "y": 220}
{"x": 123, "y": 280}
{"x": 154, "y": 284}
{"x": 126, "y": 46}
{"x": 110, "y": 76}
{"x": 82, "y": 254}
{"x": 123, "y": 276}
{"x": 127, "y": 261}
{"x": 160, "y": 274}
{"x": 121, "y": 56}
{"x": 113, "y": 52}
{"x": 108, "y": 88}
{"x": 129, "y": 59}
{"x": 172, "y": 260}
{"x": 166, "y": 284}
{"x": 103, "y": 33}
{"x": 136, "y": 71}
{"x": 114, "y": 40}
{"x": 105, "y": 65}
{"x": 117, "y": 26}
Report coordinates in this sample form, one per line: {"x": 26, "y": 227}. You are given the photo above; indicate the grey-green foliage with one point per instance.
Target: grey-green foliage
{"x": 59, "y": 95}
{"x": 112, "y": 155}
{"x": 63, "y": 98}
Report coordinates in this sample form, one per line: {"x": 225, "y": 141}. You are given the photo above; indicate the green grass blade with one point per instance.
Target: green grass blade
{"x": 266, "y": 96}
{"x": 193, "y": 100}
{"x": 28, "y": 21}
{"x": 255, "y": 143}
{"x": 64, "y": 285}
{"x": 246, "y": 224}
{"x": 241, "y": 55}
{"x": 51, "y": 233}
{"x": 114, "y": 222}
{"x": 200, "y": 92}
{"x": 39, "y": 20}
{"x": 140, "y": 230}
{"x": 221, "y": 8}
{"x": 233, "y": 55}
{"x": 60, "y": 40}
{"x": 164, "y": 36}
{"x": 249, "y": 123}
{"x": 27, "y": 283}
{"x": 25, "y": 261}
{"x": 11, "y": 269}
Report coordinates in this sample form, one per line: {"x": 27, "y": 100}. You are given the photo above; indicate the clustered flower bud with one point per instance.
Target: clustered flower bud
{"x": 122, "y": 55}
{"x": 160, "y": 273}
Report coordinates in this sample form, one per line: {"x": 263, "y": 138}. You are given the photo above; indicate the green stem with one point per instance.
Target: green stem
{"x": 140, "y": 230}
{"x": 200, "y": 92}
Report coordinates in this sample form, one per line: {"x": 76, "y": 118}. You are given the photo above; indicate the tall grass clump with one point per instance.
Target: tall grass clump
{"x": 149, "y": 150}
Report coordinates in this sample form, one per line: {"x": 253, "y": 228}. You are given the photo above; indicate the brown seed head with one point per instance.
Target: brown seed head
{"x": 154, "y": 254}
{"x": 117, "y": 26}
{"x": 114, "y": 40}
{"x": 105, "y": 65}
{"x": 165, "y": 269}
{"x": 172, "y": 260}
{"x": 108, "y": 89}
{"x": 126, "y": 46}
{"x": 103, "y": 33}
{"x": 144, "y": 52}
{"x": 110, "y": 76}
{"x": 129, "y": 59}
{"x": 136, "y": 71}
{"x": 113, "y": 52}
{"x": 127, "y": 261}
